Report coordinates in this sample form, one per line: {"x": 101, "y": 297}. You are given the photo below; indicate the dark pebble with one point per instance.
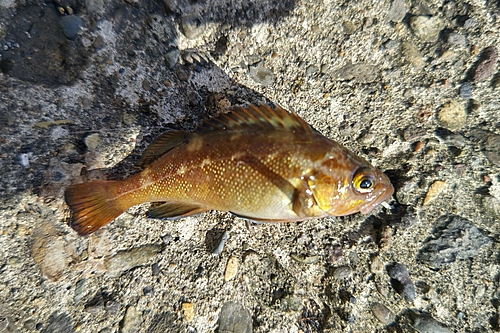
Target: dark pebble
{"x": 424, "y": 323}
{"x": 234, "y": 318}
{"x": 182, "y": 75}
{"x": 194, "y": 98}
{"x": 98, "y": 43}
{"x": 485, "y": 65}
{"x": 147, "y": 291}
{"x": 155, "y": 269}
{"x": 492, "y": 149}
{"x": 466, "y": 90}
{"x": 71, "y": 25}
{"x": 382, "y": 313}
{"x": 59, "y": 323}
{"x": 453, "y": 238}
{"x": 145, "y": 85}
{"x": 401, "y": 281}
{"x": 131, "y": 51}
{"x": 172, "y": 57}
{"x": 219, "y": 242}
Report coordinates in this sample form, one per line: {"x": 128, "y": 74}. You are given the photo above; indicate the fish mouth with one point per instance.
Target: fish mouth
{"x": 383, "y": 196}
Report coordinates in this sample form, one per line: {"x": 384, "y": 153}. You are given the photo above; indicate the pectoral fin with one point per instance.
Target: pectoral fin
{"x": 175, "y": 210}
{"x": 304, "y": 204}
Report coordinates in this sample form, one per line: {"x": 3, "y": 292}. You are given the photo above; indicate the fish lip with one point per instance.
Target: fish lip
{"x": 383, "y": 196}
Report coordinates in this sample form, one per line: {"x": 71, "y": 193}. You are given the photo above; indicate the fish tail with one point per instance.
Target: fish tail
{"x": 94, "y": 204}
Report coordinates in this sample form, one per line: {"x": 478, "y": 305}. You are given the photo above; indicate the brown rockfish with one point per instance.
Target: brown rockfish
{"x": 258, "y": 163}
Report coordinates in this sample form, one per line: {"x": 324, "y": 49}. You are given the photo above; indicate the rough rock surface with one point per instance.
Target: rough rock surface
{"x": 85, "y": 86}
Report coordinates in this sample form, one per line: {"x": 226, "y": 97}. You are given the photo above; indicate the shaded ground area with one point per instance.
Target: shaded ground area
{"x": 411, "y": 86}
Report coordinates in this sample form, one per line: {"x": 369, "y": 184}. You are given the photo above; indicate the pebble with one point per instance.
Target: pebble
{"x": 305, "y": 259}
{"x": 188, "y": 311}
{"x": 452, "y": 115}
{"x": 71, "y": 25}
{"x": 219, "y": 242}
{"x": 397, "y": 12}
{"x": 456, "y": 39}
{"x": 59, "y": 323}
{"x": 426, "y": 28}
{"x": 92, "y": 141}
{"x": 194, "y": 98}
{"x": 454, "y": 238}
{"x": 376, "y": 265}
{"x": 312, "y": 70}
{"x": 147, "y": 291}
{"x": 466, "y": 90}
{"x": 469, "y": 23}
{"x": 262, "y": 75}
{"x": 360, "y": 72}
{"x": 492, "y": 149}
{"x": 192, "y": 26}
{"x": 155, "y": 269}
{"x": 128, "y": 259}
{"x": 145, "y": 85}
{"x": 79, "y": 290}
{"x": 485, "y": 66}
{"x": 401, "y": 281}
{"x": 382, "y": 313}
{"x": 29, "y": 324}
{"x": 450, "y": 139}
{"x": 424, "y": 323}
{"x": 341, "y": 273}
{"x": 24, "y": 159}
{"x": 7, "y": 325}
{"x": 349, "y": 27}
{"x": 234, "y": 318}
{"x": 412, "y": 54}
{"x": 131, "y": 321}
{"x": 49, "y": 251}
{"x": 98, "y": 42}
{"x": 94, "y": 6}
{"x": 172, "y": 57}
{"x": 231, "y": 268}
{"x": 434, "y": 191}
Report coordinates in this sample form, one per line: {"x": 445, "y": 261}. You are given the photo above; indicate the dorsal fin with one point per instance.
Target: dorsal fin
{"x": 162, "y": 144}
{"x": 257, "y": 117}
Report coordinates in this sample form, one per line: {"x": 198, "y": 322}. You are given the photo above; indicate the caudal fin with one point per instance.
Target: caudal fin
{"x": 94, "y": 204}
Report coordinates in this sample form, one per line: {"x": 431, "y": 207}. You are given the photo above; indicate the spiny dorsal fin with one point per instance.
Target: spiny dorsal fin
{"x": 257, "y": 117}
{"x": 162, "y": 144}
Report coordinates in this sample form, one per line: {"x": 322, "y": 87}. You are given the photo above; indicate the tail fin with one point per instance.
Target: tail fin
{"x": 94, "y": 204}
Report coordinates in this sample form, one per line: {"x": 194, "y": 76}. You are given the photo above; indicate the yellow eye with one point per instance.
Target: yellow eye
{"x": 363, "y": 181}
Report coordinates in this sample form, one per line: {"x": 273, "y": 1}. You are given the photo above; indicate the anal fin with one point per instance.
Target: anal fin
{"x": 175, "y": 210}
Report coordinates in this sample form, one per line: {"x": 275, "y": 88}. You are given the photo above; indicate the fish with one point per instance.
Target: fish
{"x": 259, "y": 163}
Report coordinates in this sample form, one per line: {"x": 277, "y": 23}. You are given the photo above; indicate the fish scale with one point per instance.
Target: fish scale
{"x": 259, "y": 163}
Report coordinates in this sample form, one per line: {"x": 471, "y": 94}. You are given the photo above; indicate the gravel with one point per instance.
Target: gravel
{"x": 392, "y": 81}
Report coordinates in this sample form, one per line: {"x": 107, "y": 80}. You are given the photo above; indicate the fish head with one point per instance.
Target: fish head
{"x": 348, "y": 186}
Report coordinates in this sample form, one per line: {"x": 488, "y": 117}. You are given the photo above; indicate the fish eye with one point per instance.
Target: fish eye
{"x": 366, "y": 184}
{"x": 363, "y": 181}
